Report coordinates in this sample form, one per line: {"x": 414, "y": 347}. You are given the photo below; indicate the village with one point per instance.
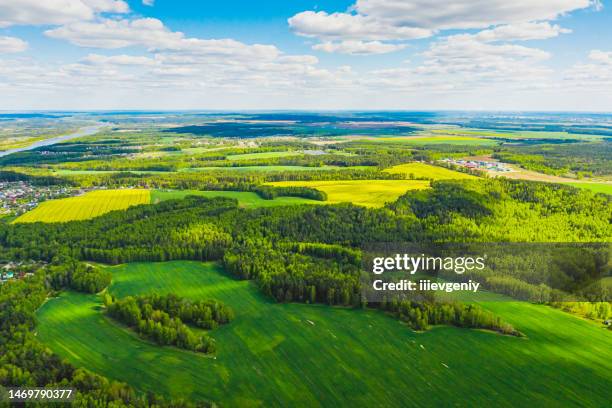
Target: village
{"x": 17, "y": 197}
{"x": 479, "y": 164}
{"x": 17, "y": 270}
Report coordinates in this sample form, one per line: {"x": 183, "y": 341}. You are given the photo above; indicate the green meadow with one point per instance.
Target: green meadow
{"x": 513, "y": 134}
{"x": 314, "y": 355}
{"x": 605, "y": 188}
{"x": 434, "y": 140}
{"x": 262, "y": 155}
{"x": 275, "y": 168}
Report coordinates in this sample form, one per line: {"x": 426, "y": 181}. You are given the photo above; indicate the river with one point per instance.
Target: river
{"x": 84, "y": 131}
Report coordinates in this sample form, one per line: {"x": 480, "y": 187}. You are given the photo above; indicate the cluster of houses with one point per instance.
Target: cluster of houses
{"x": 480, "y": 165}
{"x": 16, "y": 270}
{"x": 17, "y": 197}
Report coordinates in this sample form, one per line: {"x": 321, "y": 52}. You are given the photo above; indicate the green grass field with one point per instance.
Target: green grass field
{"x": 86, "y": 206}
{"x": 512, "y": 134}
{"x": 245, "y": 199}
{"x": 433, "y": 139}
{"x": 605, "y": 188}
{"x": 370, "y": 193}
{"x": 65, "y": 172}
{"x": 275, "y": 168}
{"x": 423, "y": 170}
{"x": 304, "y": 355}
{"x": 262, "y": 155}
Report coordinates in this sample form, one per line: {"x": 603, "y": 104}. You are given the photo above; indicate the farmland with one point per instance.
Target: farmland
{"x": 517, "y": 135}
{"x": 298, "y": 344}
{"x": 262, "y": 155}
{"x": 86, "y": 206}
{"x": 605, "y": 188}
{"x": 271, "y": 168}
{"x": 427, "y": 171}
{"x": 435, "y": 140}
{"x": 370, "y": 193}
{"x": 245, "y": 199}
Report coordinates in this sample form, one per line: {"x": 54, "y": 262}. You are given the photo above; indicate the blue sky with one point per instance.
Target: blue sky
{"x": 298, "y": 54}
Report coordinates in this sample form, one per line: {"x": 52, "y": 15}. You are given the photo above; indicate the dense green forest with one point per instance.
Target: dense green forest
{"x": 584, "y": 160}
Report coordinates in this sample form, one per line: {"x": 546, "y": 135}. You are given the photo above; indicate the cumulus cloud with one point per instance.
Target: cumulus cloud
{"x": 354, "y": 47}
{"x": 463, "y": 64}
{"x": 478, "y": 61}
{"x": 594, "y": 74}
{"x": 111, "y": 33}
{"x": 384, "y": 20}
{"x": 521, "y": 32}
{"x": 150, "y": 3}
{"x": 603, "y": 57}
{"x": 176, "y": 63}
{"x": 153, "y": 35}
{"x": 352, "y": 26}
{"x": 157, "y": 65}
{"x": 97, "y": 59}
{"x": 466, "y": 14}
{"x": 36, "y": 12}
{"x": 12, "y": 44}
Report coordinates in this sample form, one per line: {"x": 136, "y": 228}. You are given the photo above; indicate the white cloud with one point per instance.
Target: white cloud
{"x": 165, "y": 68}
{"x": 521, "y": 32}
{"x": 12, "y": 44}
{"x": 109, "y": 33}
{"x": 37, "y": 12}
{"x": 466, "y": 14}
{"x": 462, "y": 64}
{"x": 466, "y": 48}
{"x": 175, "y": 63}
{"x": 126, "y": 60}
{"x": 384, "y": 20}
{"x": 595, "y": 74}
{"x": 351, "y": 26}
{"x": 355, "y": 47}
{"x": 603, "y": 57}
{"x": 150, "y": 3}
{"x": 153, "y": 35}
{"x": 478, "y": 61}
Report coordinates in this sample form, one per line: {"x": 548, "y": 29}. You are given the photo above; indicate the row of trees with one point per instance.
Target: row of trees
{"x": 69, "y": 273}
{"x": 207, "y": 314}
{"x": 269, "y": 192}
{"x": 420, "y": 315}
{"x": 590, "y": 310}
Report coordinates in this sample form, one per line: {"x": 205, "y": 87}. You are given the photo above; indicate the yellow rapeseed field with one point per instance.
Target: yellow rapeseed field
{"x": 423, "y": 170}
{"x": 86, "y": 206}
{"x": 370, "y": 193}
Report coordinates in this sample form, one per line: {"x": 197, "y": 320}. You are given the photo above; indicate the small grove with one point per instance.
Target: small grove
{"x": 162, "y": 319}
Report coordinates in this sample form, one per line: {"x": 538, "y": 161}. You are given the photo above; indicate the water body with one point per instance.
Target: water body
{"x": 84, "y": 131}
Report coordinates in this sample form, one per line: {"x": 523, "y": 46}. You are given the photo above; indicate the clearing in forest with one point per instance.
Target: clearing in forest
{"x": 370, "y": 193}
{"x": 423, "y": 170}
{"x": 86, "y": 206}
